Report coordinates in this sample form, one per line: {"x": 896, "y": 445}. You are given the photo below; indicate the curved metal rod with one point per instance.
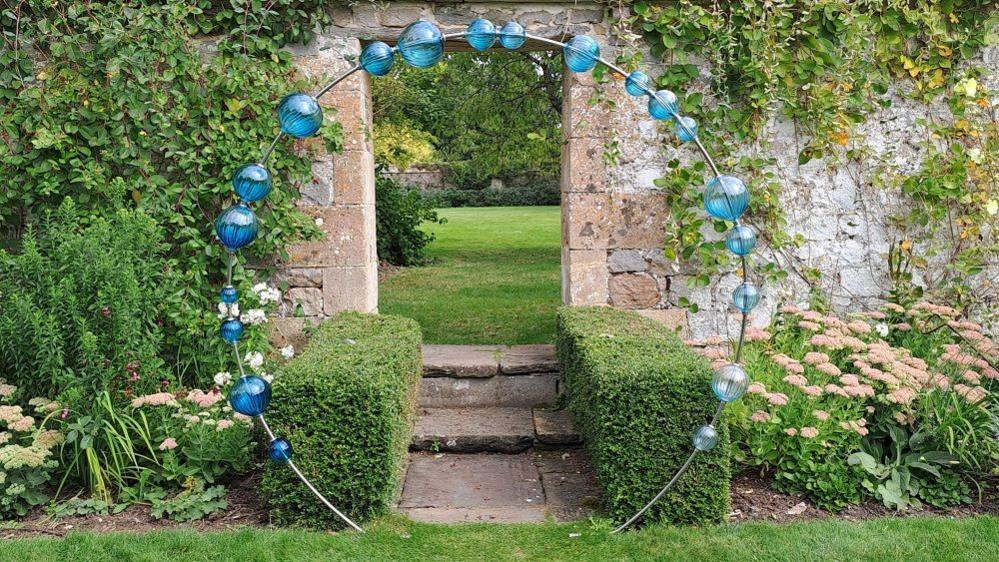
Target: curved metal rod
{"x": 336, "y": 81}
{"x": 652, "y": 502}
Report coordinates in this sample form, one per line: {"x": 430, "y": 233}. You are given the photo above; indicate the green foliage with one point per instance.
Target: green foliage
{"x": 190, "y": 504}
{"x": 348, "y": 404}
{"x": 401, "y": 145}
{"x": 636, "y": 394}
{"x": 399, "y": 213}
{"x": 490, "y": 197}
{"x": 79, "y": 306}
{"x": 128, "y": 107}
{"x": 494, "y": 115}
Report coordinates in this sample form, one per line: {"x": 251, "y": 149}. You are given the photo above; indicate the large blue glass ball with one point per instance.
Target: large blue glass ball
{"x": 638, "y": 83}
{"x": 581, "y": 53}
{"x": 663, "y": 105}
{"x": 421, "y": 44}
{"x": 252, "y": 182}
{"x": 726, "y": 198}
{"x": 745, "y": 297}
{"x": 512, "y": 35}
{"x": 250, "y": 395}
{"x": 236, "y": 227}
{"x": 730, "y": 382}
{"x": 279, "y": 450}
{"x": 228, "y": 294}
{"x": 300, "y": 115}
{"x": 481, "y": 34}
{"x": 686, "y": 129}
{"x": 740, "y": 240}
{"x": 377, "y": 58}
{"x": 705, "y": 438}
{"x": 231, "y": 330}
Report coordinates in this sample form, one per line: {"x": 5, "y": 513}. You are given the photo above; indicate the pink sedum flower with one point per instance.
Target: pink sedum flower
{"x": 820, "y": 415}
{"x": 168, "y": 444}
{"x": 809, "y": 432}
{"x": 759, "y": 416}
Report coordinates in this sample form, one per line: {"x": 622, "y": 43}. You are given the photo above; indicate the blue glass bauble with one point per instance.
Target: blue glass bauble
{"x": 730, "y": 382}
{"x": 745, "y": 297}
{"x": 231, "y": 330}
{"x": 421, "y": 44}
{"x": 686, "y": 129}
{"x": 481, "y": 34}
{"x": 377, "y": 58}
{"x": 236, "y": 227}
{"x": 740, "y": 240}
{"x": 228, "y": 294}
{"x": 581, "y": 53}
{"x": 300, "y": 115}
{"x": 250, "y": 395}
{"x": 705, "y": 438}
{"x": 726, "y": 198}
{"x": 663, "y": 105}
{"x": 512, "y": 35}
{"x": 638, "y": 83}
{"x": 252, "y": 182}
{"x": 279, "y": 450}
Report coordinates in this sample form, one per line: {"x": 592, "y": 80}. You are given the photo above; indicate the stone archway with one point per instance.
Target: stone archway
{"x": 612, "y": 221}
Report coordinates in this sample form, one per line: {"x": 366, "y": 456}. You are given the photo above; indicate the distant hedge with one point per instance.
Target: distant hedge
{"x": 347, "y": 405}
{"x": 636, "y": 394}
{"x": 506, "y": 197}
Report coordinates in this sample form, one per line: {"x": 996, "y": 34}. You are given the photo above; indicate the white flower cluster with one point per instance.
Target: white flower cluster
{"x": 266, "y": 294}
{"x": 254, "y": 317}
{"x": 228, "y": 310}
{"x": 288, "y": 351}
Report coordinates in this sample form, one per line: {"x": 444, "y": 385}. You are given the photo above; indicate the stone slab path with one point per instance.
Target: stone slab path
{"x": 488, "y": 446}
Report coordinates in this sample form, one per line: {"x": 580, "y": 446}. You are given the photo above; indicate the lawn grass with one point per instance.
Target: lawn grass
{"x": 494, "y": 280}
{"x": 393, "y": 538}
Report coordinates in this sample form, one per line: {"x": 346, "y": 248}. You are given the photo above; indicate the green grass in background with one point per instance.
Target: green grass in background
{"x": 393, "y": 538}
{"x": 495, "y": 278}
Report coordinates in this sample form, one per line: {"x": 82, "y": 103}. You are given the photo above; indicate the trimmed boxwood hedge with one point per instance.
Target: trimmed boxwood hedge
{"x": 347, "y": 404}
{"x": 636, "y": 393}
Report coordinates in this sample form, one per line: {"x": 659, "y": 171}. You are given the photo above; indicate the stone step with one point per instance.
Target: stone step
{"x": 523, "y": 391}
{"x": 497, "y": 430}
{"x": 483, "y": 361}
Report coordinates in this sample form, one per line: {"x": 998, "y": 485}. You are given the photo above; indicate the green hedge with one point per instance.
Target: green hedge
{"x": 636, "y": 394}
{"x": 347, "y": 405}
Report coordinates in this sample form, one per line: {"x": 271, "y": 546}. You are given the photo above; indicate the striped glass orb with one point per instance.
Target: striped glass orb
{"x": 730, "y": 382}
{"x": 705, "y": 438}
{"x": 252, "y": 182}
{"x": 300, "y": 115}
{"x": 228, "y": 294}
{"x": 279, "y": 450}
{"x": 421, "y": 44}
{"x": 686, "y": 129}
{"x": 745, "y": 297}
{"x": 581, "y": 53}
{"x": 638, "y": 83}
{"x": 481, "y": 34}
{"x": 663, "y": 105}
{"x": 740, "y": 240}
{"x": 236, "y": 227}
{"x": 250, "y": 395}
{"x": 377, "y": 58}
{"x": 231, "y": 330}
{"x": 726, "y": 198}
{"x": 512, "y": 35}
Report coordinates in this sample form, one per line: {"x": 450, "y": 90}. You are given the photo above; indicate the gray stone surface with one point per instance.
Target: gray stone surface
{"x": 554, "y": 427}
{"x": 499, "y": 430}
{"x": 500, "y": 390}
{"x": 461, "y": 360}
{"x": 624, "y": 261}
{"x": 525, "y": 359}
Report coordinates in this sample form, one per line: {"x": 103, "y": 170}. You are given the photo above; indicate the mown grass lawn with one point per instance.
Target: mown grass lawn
{"x": 495, "y": 278}
{"x": 393, "y": 538}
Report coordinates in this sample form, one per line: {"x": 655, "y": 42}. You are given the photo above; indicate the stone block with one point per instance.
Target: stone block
{"x": 583, "y": 166}
{"x": 350, "y": 289}
{"x": 499, "y": 391}
{"x": 554, "y": 427}
{"x": 288, "y": 331}
{"x": 366, "y": 15}
{"x": 304, "y": 301}
{"x": 318, "y": 191}
{"x": 527, "y": 359}
{"x": 354, "y": 178}
{"x": 626, "y": 261}
{"x": 401, "y": 16}
{"x": 461, "y": 360}
{"x": 349, "y": 239}
{"x": 353, "y": 112}
{"x": 475, "y": 430}
{"x": 674, "y": 319}
{"x": 300, "y": 277}
{"x": 584, "y": 277}
{"x": 583, "y": 116}
{"x": 585, "y": 220}
{"x": 638, "y": 220}
{"x": 631, "y": 290}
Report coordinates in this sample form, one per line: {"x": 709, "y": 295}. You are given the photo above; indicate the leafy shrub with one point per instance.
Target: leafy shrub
{"x": 79, "y": 307}
{"x": 489, "y": 197}
{"x": 401, "y": 145}
{"x": 191, "y": 503}
{"x": 399, "y": 213}
{"x": 840, "y": 414}
{"x": 636, "y": 394}
{"x": 27, "y": 462}
{"x": 347, "y": 403}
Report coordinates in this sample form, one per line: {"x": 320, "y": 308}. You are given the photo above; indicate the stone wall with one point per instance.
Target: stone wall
{"x": 612, "y": 216}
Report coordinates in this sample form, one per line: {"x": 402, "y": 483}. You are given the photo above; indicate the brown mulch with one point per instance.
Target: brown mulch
{"x": 755, "y": 499}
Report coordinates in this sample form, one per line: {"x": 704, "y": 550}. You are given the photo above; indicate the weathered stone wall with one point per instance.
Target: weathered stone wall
{"x": 612, "y": 216}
